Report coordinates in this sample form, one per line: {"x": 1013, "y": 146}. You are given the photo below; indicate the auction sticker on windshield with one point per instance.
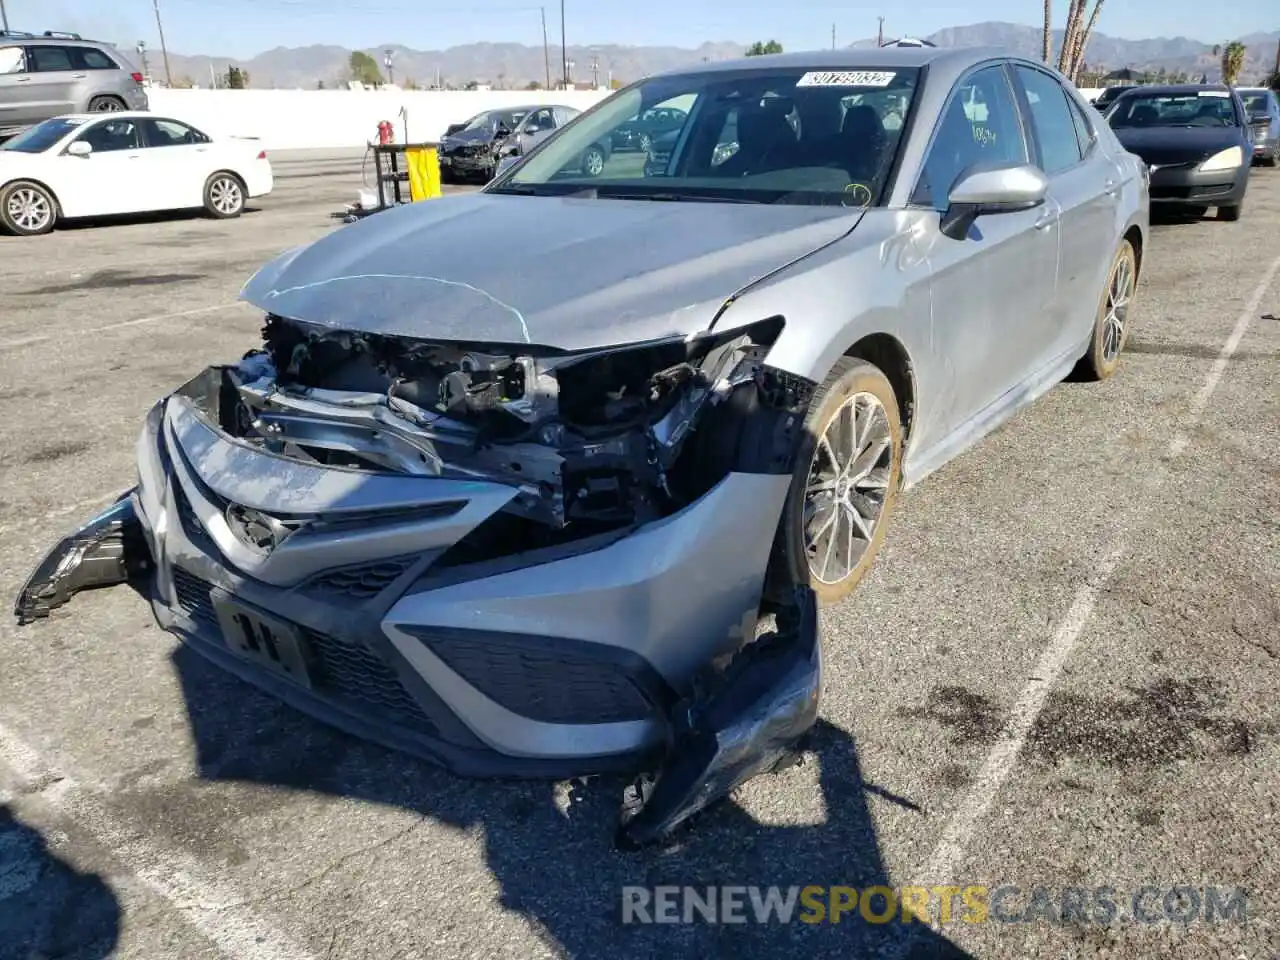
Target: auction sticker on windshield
{"x": 846, "y": 78}
{"x": 1211, "y": 93}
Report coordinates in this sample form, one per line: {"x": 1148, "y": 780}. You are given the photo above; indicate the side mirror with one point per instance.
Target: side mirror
{"x": 79, "y": 149}
{"x": 505, "y": 164}
{"x": 994, "y": 190}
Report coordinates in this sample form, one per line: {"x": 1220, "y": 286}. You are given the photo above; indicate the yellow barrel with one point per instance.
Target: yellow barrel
{"x": 424, "y": 171}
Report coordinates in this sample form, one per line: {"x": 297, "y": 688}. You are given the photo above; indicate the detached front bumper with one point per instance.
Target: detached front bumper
{"x": 337, "y": 591}
{"x": 1184, "y": 184}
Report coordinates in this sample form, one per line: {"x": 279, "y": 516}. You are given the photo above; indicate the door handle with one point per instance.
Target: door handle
{"x": 1046, "y": 220}
{"x": 1109, "y": 187}
{"x": 78, "y": 76}
{"x": 24, "y": 79}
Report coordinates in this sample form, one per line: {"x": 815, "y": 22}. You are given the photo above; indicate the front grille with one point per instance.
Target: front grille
{"x": 191, "y": 524}
{"x": 360, "y": 583}
{"x": 541, "y": 683}
{"x": 344, "y": 671}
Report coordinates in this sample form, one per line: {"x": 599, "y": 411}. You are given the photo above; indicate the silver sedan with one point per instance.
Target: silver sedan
{"x": 510, "y": 470}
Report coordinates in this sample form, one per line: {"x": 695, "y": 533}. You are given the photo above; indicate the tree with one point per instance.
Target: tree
{"x": 1048, "y": 31}
{"x": 319, "y": 84}
{"x": 183, "y": 83}
{"x": 615, "y": 84}
{"x": 365, "y": 69}
{"x": 759, "y": 49}
{"x": 533, "y": 85}
{"x": 1232, "y": 62}
{"x": 1274, "y": 81}
{"x": 236, "y": 78}
{"x": 1075, "y": 38}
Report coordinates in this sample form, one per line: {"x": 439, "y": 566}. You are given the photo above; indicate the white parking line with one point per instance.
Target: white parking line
{"x": 947, "y": 855}
{"x": 63, "y": 334}
{"x": 207, "y": 903}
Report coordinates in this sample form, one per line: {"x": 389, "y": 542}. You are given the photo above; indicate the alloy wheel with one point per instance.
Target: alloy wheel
{"x": 226, "y": 195}
{"x": 107, "y": 106}
{"x": 594, "y": 162}
{"x": 1119, "y": 293}
{"x": 29, "y": 209}
{"x": 847, "y": 486}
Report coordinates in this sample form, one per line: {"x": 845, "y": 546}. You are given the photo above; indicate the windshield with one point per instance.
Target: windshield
{"x": 1203, "y": 108}
{"x": 1255, "y": 102}
{"x": 42, "y": 136}
{"x": 757, "y": 136}
{"x": 492, "y": 119}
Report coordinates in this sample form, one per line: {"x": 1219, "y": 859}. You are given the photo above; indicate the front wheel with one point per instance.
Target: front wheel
{"x": 593, "y": 161}
{"x": 845, "y": 483}
{"x": 27, "y": 209}
{"x": 224, "y": 196}
{"x": 1230, "y": 213}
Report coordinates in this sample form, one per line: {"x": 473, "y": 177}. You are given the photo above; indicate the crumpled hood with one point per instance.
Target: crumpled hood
{"x": 571, "y": 274}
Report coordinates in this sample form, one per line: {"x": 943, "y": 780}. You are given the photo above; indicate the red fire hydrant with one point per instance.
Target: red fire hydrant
{"x": 386, "y": 132}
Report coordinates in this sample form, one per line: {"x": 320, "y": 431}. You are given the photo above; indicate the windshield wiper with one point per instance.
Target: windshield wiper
{"x": 666, "y": 197}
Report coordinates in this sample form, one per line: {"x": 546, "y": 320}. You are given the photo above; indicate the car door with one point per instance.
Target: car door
{"x": 1084, "y": 182}
{"x": 989, "y": 288}
{"x": 53, "y": 79}
{"x": 538, "y": 125}
{"x": 17, "y": 94}
{"x": 176, "y": 160}
{"x": 112, "y": 178}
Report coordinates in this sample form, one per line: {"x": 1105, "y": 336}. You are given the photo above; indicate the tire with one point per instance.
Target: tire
{"x": 224, "y": 196}
{"x": 105, "y": 105}
{"x": 27, "y": 208}
{"x": 1230, "y": 214}
{"x": 593, "y": 161}
{"x": 852, "y": 384}
{"x": 1110, "y": 326}
{"x": 1274, "y": 159}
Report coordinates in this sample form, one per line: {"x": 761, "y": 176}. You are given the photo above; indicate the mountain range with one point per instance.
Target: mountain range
{"x": 518, "y": 65}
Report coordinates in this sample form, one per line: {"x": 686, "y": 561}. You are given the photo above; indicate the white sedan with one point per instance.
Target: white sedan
{"x": 94, "y": 165}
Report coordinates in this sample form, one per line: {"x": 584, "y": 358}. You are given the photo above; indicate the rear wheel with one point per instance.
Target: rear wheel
{"x": 224, "y": 196}
{"x": 593, "y": 161}
{"x": 845, "y": 482}
{"x": 1110, "y": 328}
{"x": 105, "y": 105}
{"x": 1230, "y": 213}
{"x": 27, "y": 208}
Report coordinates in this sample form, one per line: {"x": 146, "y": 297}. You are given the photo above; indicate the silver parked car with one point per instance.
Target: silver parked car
{"x": 44, "y": 76}
{"x": 512, "y": 469}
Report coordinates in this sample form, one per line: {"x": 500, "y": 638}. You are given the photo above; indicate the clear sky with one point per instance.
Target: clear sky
{"x": 241, "y": 28}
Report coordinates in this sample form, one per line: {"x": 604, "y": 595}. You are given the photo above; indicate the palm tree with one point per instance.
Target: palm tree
{"x": 1232, "y": 62}
{"x": 1048, "y": 30}
{"x": 1075, "y": 38}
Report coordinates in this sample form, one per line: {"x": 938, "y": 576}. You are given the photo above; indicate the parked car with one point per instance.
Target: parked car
{"x": 1195, "y": 139}
{"x": 1108, "y": 96}
{"x": 1263, "y": 109}
{"x": 639, "y": 132}
{"x": 53, "y": 74}
{"x": 510, "y": 469}
{"x": 477, "y": 150}
{"x": 93, "y": 165}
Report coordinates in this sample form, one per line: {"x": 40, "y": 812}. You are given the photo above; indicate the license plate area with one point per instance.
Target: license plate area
{"x": 260, "y": 638}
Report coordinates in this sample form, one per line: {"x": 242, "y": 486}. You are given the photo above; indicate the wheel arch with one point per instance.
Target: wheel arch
{"x": 890, "y": 356}
{"x": 1135, "y": 237}
{"x": 57, "y": 203}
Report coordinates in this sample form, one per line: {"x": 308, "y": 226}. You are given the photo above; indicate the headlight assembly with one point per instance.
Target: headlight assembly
{"x": 1227, "y": 159}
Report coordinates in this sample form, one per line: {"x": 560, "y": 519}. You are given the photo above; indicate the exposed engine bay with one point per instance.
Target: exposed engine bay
{"x": 592, "y": 441}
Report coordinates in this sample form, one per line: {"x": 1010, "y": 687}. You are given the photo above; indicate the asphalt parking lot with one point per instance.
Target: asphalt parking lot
{"x": 1061, "y": 673}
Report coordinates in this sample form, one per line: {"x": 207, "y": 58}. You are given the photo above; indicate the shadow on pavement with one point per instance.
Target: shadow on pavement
{"x": 47, "y": 907}
{"x": 569, "y": 881}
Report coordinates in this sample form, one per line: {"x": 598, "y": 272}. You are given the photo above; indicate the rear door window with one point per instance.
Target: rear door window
{"x": 49, "y": 59}
{"x": 1051, "y": 119}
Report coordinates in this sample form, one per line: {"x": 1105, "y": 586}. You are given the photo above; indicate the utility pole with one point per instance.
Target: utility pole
{"x": 546, "y": 51}
{"x": 168, "y": 77}
{"x": 880, "y": 33}
{"x": 387, "y": 56}
{"x": 564, "y": 50}
{"x": 4, "y": 18}
{"x": 142, "y": 55}
{"x": 595, "y": 71}
{"x": 833, "y": 36}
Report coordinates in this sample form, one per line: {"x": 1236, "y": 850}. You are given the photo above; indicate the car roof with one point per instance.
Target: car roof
{"x": 1166, "y": 89}
{"x": 856, "y": 58}
{"x": 114, "y": 115}
{"x": 55, "y": 41}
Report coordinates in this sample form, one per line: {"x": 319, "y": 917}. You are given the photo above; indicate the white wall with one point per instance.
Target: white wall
{"x": 297, "y": 119}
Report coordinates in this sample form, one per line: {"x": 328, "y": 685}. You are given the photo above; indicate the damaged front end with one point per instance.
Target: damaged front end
{"x": 538, "y": 554}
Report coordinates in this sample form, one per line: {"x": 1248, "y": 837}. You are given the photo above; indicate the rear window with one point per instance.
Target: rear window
{"x": 87, "y": 58}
